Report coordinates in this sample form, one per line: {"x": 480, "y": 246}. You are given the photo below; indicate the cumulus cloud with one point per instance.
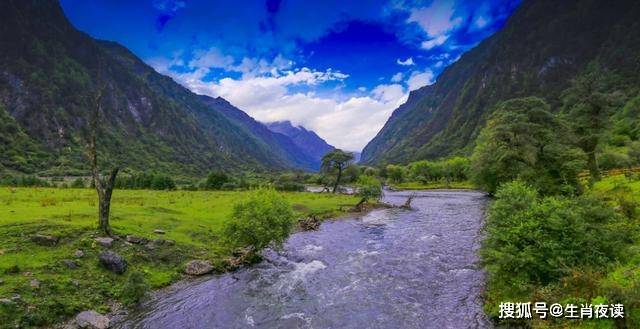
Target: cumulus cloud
{"x": 437, "y": 41}
{"x": 436, "y": 19}
{"x": 397, "y": 77}
{"x": 420, "y": 79}
{"x": 406, "y": 62}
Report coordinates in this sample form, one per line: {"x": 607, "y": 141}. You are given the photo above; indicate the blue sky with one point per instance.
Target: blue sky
{"x": 339, "y": 68}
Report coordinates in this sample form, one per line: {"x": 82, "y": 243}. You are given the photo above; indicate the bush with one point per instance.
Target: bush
{"x": 215, "y": 181}
{"x": 134, "y": 289}
{"x": 369, "y": 188}
{"x": 533, "y": 240}
{"x": 611, "y": 160}
{"x": 78, "y": 183}
{"x": 264, "y": 217}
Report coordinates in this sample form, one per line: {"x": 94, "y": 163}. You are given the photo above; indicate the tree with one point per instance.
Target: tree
{"x": 215, "y": 180}
{"x": 588, "y": 105}
{"x": 523, "y": 140}
{"x": 103, "y": 185}
{"x": 395, "y": 173}
{"x": 336, "y": 160}
{"x": 369, "y": 188}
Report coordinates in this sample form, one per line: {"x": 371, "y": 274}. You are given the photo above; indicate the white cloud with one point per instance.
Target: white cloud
{"x": 437, "y": 41}
{"x": 436, "y": 19}
{"x": 406, "y": 62}
{"x": 420, "y": 79}
{"x": 345, "y": 121}
{"x": 397, "y": 77}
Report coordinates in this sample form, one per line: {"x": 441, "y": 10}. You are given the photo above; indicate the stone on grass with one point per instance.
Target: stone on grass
{"x": 136, "y": 239}
{"x": 198, "y": 267}
{"x": 92, "y": 320}
{"x": 79, "y": 254}
{"x": 113, "y": 262}
{"x": 169, "y": 242}
{"x": 35, "y": 284}
{"x": 6, "y": 301}
{"x": 45, "y": 240}
{"x": 158, "y": 231}
{"x": 105, "y": 242}
{"x": 70, "y": 264}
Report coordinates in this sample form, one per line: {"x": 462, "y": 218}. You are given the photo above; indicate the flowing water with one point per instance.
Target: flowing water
{"x": 390, "y": 268}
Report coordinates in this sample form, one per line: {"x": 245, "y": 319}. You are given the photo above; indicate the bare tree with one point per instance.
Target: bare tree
{"x": 104, "y": 185}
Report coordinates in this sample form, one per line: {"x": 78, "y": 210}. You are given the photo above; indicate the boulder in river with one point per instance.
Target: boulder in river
{"x": 45, "y": 240}
{"x": 92, "y": 320}
{"x": 198, "y": 267}
{"x": 113, "y": 262}
{"x": 105, "y": 242}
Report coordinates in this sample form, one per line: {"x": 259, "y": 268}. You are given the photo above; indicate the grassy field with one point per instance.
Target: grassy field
{"x": 432, "y": 185}
{"x": 49, "y": 291}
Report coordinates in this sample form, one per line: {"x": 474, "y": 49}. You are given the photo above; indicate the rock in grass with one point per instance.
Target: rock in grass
{"x": 45, "y": 240}
{"x": 35, "y": 284}
{"x": 92, "y": 320}
{"x": 70, "y": 264}
{"x": 157, "y": 231}
{"x": 6, "y": 301}
{"x": 113, "y": 262}
{"x": 105, "y": 242}
{"x": 136, "y": 239}
{"x": 79, "y": 254}
{"x": 198, "y": 267}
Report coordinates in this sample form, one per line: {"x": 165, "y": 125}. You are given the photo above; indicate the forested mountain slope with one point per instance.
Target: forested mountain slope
{"x": 48, "y": 77}
{"x": 541, "y": 48}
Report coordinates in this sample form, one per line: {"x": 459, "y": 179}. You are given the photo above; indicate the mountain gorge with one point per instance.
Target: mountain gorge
{"x": 49, "y": 74}
{"x": 542, "y": 47}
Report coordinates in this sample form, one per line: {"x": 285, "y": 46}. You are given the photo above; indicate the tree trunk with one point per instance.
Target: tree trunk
{"x": 335, "y": 186}
{"x": 592, "y": 163}
{"x": 105, "y": 190}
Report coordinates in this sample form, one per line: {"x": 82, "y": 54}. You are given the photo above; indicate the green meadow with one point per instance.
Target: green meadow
{"x": 192, "y": 222}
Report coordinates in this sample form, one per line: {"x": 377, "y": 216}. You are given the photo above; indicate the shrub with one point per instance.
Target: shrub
{"x": 134, "y": 289}
{"x": 533, "y": 240}
{"x": 611, "y": 160}
{"x": 78, "y": 183}
{"x": 215, "y": 180}
{"x": 263, "y": 218}
{"x": 369, "y": 188}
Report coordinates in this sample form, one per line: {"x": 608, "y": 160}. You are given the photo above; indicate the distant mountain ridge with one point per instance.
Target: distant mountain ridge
{"x": 307, "y": 140}
{"x": 49, "y": 74}
{"x": 541, "y": 48}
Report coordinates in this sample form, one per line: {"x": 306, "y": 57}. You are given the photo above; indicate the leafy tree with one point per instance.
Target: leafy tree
{"x": 589, "y": 105}
{"x": 216, "y": 180}
{"x": 336, "y": 160}
{"x": 78, "y": 183}
{"x": 395, "y": 173}
{"x": 264, "y": 217}
{"x": 523, "y": 140}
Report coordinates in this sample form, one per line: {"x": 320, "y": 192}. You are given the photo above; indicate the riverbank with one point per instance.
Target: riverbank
{"x": 47, "y": 281}
{"x": 402, "y": 267}
{"x": 439, "y": 185}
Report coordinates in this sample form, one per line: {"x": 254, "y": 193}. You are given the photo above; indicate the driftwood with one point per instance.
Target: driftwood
{"x": 311, "y": 223}
{"x": 407, "y": 204}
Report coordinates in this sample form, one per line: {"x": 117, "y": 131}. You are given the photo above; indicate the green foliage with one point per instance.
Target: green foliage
{"x": 290, "y": 182}
{"x": 369, "y": 188}
{"x": 263, "y": 218}
{"x": 334, "y": 163}
{"x": 215, "y": 181}
{"x": 78, "y": 183}
{"x": 536, "y": 240}
{"x": 134, "y": 289}
{"x": 146, "y": 181}
{"x": 452, "y": 169}
{"x": 523, "y": 140}
{"x": 24, "y": 181}
{"x": 395, "y": 173}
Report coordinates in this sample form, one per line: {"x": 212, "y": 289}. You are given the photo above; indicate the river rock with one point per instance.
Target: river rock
{"x": 70, "y": 264}
{"x": 136, "y": 239}
{"x": 79, "y": 254}
{"x": 92, "y": 320}
{"x": 105, "y": 242}
{"x": 157, "y": 231}
{"x": 113, "y": 262}
{"x": 45, "y": 240}
{"x": 198, "y": 267}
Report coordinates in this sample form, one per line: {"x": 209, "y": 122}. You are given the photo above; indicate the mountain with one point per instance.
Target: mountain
{"x": 49, "y": 73}
{"x": 280, "y": 144}
{"x": 541, "y": 48}
{"x": 307, "y": 140}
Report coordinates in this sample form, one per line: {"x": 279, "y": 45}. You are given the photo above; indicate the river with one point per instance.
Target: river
{"x": 390, "y": 268}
